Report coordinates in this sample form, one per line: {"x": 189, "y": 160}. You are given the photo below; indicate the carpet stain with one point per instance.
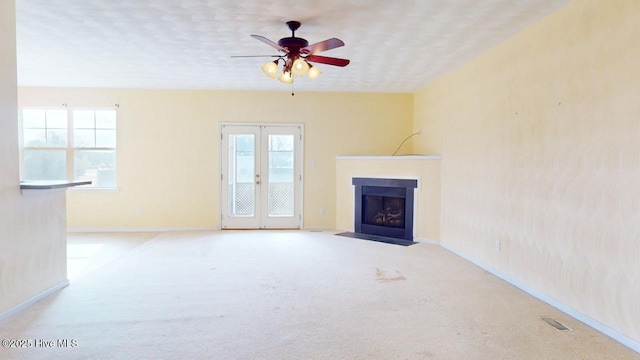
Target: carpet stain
{"x": 382, "y": 276}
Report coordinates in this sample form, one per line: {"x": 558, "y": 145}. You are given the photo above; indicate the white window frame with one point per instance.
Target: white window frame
{"x": 70, "y": 149}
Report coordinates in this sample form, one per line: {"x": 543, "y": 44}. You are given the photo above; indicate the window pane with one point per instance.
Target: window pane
{"x": 34, "y": 137}
{"x": 106, "y": 119}
{"x": 33, "y": 119}
{"x": 97, "y": 166}
{"x": 106, "y": 138}
{"x": 45, "y": 164}
{"x": 48, "y": 129}
{"x": 84, "y": 138}
{"x": 56, "y": 119}
{"x": 57, "y": 138}
{"x": 83, "y": 119}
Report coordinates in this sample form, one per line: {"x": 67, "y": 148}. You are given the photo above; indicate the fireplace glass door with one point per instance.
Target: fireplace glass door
{"x": 384, "y": 211}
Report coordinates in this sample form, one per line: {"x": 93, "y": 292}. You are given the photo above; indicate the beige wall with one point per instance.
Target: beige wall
{"x": 167, "y": 161}
{"x": 32, "y": 227}
{"x": 540, "y": 139}
{"x": 427, "y": 195}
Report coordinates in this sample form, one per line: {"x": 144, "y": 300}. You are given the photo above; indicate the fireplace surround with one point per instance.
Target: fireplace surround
{"x": 384, "y": 207}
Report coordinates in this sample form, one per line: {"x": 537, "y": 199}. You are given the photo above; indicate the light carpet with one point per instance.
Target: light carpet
{"x": 296, "y": 295}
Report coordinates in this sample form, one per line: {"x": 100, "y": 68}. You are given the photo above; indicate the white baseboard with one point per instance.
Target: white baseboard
{"x": 137, "y": 229}
{"x": 5, "y": 315}
{"x": 621, "y": 338}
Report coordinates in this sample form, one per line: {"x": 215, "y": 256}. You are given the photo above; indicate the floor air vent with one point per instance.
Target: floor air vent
{"x": 553, "y": 322}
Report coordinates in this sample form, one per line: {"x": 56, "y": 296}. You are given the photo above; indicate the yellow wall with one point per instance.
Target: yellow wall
{"x": 427, "y": 195}
{"x": 32, "y": 227}
{"x": 540, "y": 139}
{"x": 167, "y": 160}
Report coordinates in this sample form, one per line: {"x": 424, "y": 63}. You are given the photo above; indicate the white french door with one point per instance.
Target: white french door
{"x": 261, "y": 176}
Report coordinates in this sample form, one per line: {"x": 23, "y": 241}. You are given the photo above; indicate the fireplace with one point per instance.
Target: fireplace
{"x": 384, "y": 207}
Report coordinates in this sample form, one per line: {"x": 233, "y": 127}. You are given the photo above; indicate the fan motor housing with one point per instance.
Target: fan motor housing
{"x": 293, "y": 42}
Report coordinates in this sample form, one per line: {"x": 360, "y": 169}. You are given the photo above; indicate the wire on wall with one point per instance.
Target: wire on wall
{"x": 405, "y": 140}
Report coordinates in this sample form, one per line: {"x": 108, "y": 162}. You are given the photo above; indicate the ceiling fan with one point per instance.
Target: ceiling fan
{"x": 297, "y": 55}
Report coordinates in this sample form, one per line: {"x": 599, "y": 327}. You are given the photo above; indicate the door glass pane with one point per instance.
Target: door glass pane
{"x": 241, "y": 175}
{"x": 281, "y": 175}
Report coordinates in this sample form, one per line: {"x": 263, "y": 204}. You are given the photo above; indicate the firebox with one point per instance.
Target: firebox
{"x": 384, "y": 207}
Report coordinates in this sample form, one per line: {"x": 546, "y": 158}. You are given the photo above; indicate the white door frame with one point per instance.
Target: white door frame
{"x": 298, "y": 167}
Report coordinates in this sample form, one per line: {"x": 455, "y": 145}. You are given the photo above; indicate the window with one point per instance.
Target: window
{"x": 70, "y": 144}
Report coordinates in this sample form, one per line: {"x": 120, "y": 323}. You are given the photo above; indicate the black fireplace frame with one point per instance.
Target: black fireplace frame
{"x": 384, "y": 187}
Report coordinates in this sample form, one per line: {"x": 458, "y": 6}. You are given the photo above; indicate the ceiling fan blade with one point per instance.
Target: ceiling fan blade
{"x": 322, "y": 46}
{"x": 328, "y": 60}
{"x": 270, "y": 43}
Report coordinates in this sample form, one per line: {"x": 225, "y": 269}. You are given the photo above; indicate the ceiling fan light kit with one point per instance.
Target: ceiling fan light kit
{"x": 296, "y": 55}
{"x": 271, "y": 69}
{"x": 300, "y": 67}
{"x": 286, "y": 78}
{"x": 314, "y": 72}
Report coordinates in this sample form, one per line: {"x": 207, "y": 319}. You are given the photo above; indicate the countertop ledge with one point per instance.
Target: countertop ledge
{"x": 50, "y": 184}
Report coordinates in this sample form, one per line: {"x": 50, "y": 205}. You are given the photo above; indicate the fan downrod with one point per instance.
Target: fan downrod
{"x": 293, "y": 26}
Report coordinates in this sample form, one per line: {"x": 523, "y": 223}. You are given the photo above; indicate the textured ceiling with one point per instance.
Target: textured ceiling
{"x": 394, "y": 46}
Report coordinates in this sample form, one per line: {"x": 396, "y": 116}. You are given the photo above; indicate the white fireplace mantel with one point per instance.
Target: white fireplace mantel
{"x": 382, "y": 157}
{"x": 422, "y": 168}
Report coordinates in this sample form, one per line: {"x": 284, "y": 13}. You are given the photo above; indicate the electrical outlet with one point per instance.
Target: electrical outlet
{"x": 498, "y": 245}
{"x": 138, "y": 212}
{"x": 420, "y": 132}
{"x": 321, "y": 211}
